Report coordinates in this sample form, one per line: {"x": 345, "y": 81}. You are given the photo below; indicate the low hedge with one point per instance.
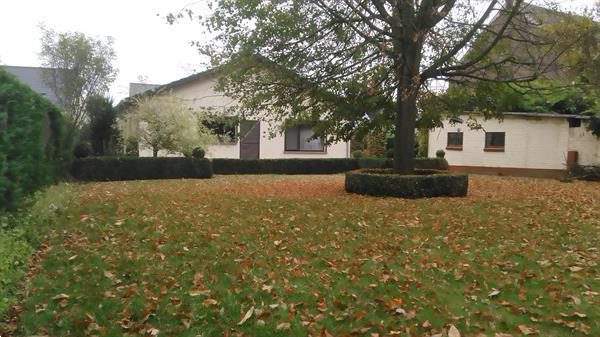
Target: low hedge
{"x": 313, "y": 166}
{"x": 134, "y": 168}
{"x": 283, "y": 166}
{"x": 422, "y": 184}
{"x": 585, "y": 172}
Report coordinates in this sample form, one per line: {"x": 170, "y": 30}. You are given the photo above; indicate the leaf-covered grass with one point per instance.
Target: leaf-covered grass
{"x": 297, "y": 256}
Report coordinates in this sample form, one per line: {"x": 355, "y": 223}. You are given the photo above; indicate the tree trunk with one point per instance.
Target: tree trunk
{"x": 154, "y": 152}
{"x": 404, "y": 133}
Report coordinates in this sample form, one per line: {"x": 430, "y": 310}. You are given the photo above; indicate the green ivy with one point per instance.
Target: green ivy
{"x": 31, "y": 154}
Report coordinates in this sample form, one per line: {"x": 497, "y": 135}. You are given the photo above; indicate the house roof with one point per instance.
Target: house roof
{"x": 32, "y": 76}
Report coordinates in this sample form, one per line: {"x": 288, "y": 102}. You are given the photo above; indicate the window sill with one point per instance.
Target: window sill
{"x": 493, "y": 149}
{"x": 454, "y": 148}
{"x": 303, "y": 152}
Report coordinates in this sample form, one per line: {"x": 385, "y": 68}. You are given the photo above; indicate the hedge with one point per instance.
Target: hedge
{"x": 31, "y": 133}
{"x": 585, "y": 172}
{"x": 134, "y": 168}
{"x": 283, "y": 166}
{"x": 313, "y": 166}
{"x": 425, "y": 183}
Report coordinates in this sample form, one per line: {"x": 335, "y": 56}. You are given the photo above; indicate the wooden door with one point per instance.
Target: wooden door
{"x": 249, "y": 139}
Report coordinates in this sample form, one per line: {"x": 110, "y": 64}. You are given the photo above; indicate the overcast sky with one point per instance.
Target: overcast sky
{"x": 145, "y": 44}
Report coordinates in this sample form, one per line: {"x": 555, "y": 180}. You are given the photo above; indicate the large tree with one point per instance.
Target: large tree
{"x": 77, "y": 67}
{"x": 348, "y": 66}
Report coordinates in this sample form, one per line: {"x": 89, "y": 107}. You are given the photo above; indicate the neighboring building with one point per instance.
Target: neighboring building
{"x": 32, "y": 76}
{"x": 250, "y": 139}
{"x": 533, "y": 144}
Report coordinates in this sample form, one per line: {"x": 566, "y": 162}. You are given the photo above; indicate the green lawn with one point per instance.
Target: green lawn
{"x": 299, "y": 256}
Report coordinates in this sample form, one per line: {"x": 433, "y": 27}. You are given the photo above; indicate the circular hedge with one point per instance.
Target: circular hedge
{"x": 421, "y": 184}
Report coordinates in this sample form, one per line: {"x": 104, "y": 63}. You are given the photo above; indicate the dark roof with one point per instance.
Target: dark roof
{"x": 32, "y": 76}
{"x": 138, "y": 88}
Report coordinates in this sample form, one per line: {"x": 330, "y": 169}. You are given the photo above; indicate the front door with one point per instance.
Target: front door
{"x": 249, "y": 139}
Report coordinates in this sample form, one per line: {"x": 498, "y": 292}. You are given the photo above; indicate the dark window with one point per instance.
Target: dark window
{"x": 301, "y": 138}
{"x": 455, "y": 141}
{"x": 574, "y": 122}
{"x": 494, "y": 141}
{"x": 223, "y": 129}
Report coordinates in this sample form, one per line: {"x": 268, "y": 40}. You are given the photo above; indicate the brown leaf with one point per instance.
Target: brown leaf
{"x": 526, "y": 330}
{"x": 453, "y": 331}
{"x": 247, "y": 316}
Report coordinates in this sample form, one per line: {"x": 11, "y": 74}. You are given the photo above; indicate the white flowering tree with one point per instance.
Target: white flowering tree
{"x": 167, "y": 123}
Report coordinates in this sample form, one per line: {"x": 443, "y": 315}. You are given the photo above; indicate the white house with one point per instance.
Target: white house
{"x": 535, "y": 144}
{"x": 254, "y": 140}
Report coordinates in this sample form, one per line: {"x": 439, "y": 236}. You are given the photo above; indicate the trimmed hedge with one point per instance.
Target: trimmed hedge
{"x": 423, "y": 184}
{"x": 313, "y": 166}
{"x": 31, "y": 134}
{"x": 585, "y": 172}
{"x": 283, "y": 166}
{"x": 133, "y": 168}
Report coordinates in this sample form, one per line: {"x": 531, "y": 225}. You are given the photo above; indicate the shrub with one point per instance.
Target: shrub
{"x": 440, "y": 153}
{"x": 82, "y": 150}
{"x": 426, "y": 183}
{"x": 283, "y": 166}
{"x": 357, "y": 154}
{"x": 198, "y": 152}
{"x": 31, "y": 152}
{"x": 131, "y": 168}
{"x": 585, "y": 172}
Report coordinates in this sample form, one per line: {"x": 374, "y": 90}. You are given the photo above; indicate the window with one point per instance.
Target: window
{"x": 574, "y": 122}
{"x": 301, "y": 138}
{"x": 455, "y": 141}
{"x": 494, "y": 141}
{"x": 224, "y": 129}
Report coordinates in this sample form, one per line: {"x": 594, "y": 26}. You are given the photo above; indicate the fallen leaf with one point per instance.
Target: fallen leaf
{"x": 453, "y": 331}
{"x": 61, "y": 297}
{"x": 526, "y": 330}
{"x": 247, "y": 316}
{"x": 494, "y": 292}
{"x": 283, "y": 326}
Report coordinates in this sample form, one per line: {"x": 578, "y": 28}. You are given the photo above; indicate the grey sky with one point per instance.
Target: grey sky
{"x": 144, "y": 43}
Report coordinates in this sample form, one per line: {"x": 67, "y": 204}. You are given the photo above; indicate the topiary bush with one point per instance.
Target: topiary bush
{"x": 422, "y": 184}
{"x": 132, "y": 168}
{"x": 440, "y": 153}
{"x": 31, "y": 152}
{"x": 198, "y": 153}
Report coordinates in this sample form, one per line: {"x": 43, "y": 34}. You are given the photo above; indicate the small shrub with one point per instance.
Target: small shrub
{"x": 357, "y": 154}
{"x": 198, "y": 153}
{"x": 440, "y": 153}
{"x": 82, "y": 150}
{"x": 132, "y": 168}
{"x": 422, "y": 184}
{"x": 585, "y": 172}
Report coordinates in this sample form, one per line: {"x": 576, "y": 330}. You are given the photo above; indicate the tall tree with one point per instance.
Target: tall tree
{"x": 103, "y": 130}
{"x": 78, "y": 67}
{"x": 334, "y": 61}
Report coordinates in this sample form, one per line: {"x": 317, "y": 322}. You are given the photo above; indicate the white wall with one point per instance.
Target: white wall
{"x": 200, "y": 94}
{"x": 530, "y": 142}
{"x": 586, "y": 144}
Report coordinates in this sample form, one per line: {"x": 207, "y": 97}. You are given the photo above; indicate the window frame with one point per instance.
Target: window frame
{"x": 286, "y": 148}
{"x": 494, "y": 148}
{"x": 454, "y": 147}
